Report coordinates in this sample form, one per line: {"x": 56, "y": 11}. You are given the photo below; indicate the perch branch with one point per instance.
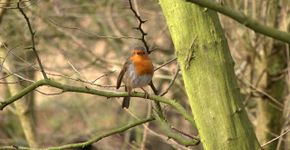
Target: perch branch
{"x": 87, "y": 90}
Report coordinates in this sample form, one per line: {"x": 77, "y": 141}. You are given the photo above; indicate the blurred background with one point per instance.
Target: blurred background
{"x": 85, "y": 43}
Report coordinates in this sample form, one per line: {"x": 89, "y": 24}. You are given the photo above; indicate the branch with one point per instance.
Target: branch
{"x": 172, "y": 81}
{"x": 191, "y": 141}
{"x": 157, "y": 104}
{"x": 89, "y": 142}
{"x": 91, "y": 34}
{"x": 276, "y": 138}
{"x": 143, "y": 33}
{"x": 32, "y": 33}
{"x": 185, "y": 134}
{"x": 277, "y": 103}
{"x": 168, "y": 62}
{"x": 245, "y": 20}
{"x": 87, "y": 90}
{"x": 165, "y": 124}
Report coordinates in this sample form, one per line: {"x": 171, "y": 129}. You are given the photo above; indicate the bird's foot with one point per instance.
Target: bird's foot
{"x": 146, "y": 94}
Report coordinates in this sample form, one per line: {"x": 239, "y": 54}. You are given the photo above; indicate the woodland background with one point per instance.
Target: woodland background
{"x": 86, "y": 42}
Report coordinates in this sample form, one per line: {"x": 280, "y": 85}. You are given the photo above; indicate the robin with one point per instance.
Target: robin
{"x": 137, "y": 72}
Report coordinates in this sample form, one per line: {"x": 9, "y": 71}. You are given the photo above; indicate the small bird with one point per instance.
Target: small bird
{"x": 137, "y": 72}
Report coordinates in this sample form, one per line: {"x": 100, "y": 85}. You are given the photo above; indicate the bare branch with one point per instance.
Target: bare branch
{"x": 171, "y": 82}
{"x": 104, "y": 75}
{"x": 185, "y": 134}
{"x": 143, "y": 33}
{"x": 278, "y": 104}
{"x": 32, "y": 39}
{"x": 51, "y": 21}
{"x": 280, "y": 136}
{"x": 168, "y": 62}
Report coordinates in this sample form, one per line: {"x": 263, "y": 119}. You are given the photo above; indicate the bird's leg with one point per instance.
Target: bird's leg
{"x": 153, "y": 88}
{"x": 146, "y": 93}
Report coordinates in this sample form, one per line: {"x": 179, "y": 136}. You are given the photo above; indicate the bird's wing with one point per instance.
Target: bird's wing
{"x": 122, "y": 73}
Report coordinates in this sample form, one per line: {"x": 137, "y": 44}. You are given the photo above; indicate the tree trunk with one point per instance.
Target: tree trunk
{"x": 210, "y": 82}
{"x": 24, "y": 107}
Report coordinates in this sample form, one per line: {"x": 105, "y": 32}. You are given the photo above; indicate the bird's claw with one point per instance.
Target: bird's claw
{"x": 146, "y": 95}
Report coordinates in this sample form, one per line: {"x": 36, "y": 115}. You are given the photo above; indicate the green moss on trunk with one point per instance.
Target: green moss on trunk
{"x": 207, "y": 69}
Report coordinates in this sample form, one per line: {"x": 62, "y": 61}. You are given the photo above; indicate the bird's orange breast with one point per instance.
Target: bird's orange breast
{"x": 143, "y": 64}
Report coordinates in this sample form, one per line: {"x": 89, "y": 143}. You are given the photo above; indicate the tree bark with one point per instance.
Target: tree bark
{"x": 210, "y": 82}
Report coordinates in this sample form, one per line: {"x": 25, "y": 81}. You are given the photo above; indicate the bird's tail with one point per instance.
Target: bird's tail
{"x": 126, "y": 102}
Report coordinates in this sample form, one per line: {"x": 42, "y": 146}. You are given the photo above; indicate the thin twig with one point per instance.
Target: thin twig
{"x": 51, "y": 21}
{"x": 32, "y": 33}
{"x": 164, "y": 138}
{"x": 85, "y": 81}
{"x": 168, "y": 62}
{"x": 177, "y": 137}
{"x": 185, "y": 134}
{"x": 271, "y": 98}
{"x": 171, "y": 82}
{"x": 276, "y": 138}
{"x": 15, "y": 74}
{"x": 143, "y": 33}
{"x": 5, "y": 57}
{"x": 104, "y": 75}
{"x": 254, "y": 85}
